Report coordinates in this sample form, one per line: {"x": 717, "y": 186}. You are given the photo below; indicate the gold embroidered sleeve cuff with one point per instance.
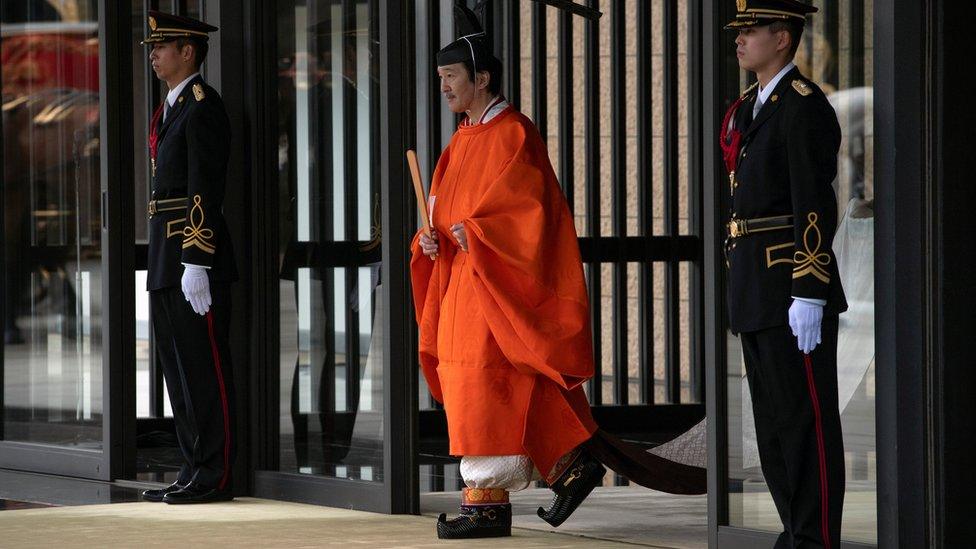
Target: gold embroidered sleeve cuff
{"x": 811, "y": 261}
{"x": 195, "y": 234}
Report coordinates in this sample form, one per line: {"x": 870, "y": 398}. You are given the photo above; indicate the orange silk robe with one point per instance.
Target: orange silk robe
{"x": 504, "y": 328}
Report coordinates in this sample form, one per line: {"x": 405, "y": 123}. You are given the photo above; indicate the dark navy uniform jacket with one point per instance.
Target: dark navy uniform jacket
{"x": 193, "y": 145}
{"x": 786, "y": 166}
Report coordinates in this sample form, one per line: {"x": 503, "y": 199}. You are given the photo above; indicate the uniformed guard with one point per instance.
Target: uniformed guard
{"x": 191, "y": 260}
{"x": 780, "y": 141}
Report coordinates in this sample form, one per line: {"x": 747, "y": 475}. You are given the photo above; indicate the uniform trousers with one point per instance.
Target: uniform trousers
{"x": 194, "y": 353}
{"x": 798, "y": 432}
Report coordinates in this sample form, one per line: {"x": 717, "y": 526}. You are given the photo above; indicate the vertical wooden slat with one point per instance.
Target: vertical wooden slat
{"x": 671, "y": 194}
{"x": 592, "y": 144}
{"x": 566, "y": 137}
{"x": 645, "y": 181}
{"x": 696, "y": 181}
{"x": 540, "y": 82}
{"x": 618, "y": 141}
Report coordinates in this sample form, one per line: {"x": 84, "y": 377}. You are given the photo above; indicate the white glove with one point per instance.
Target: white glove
{"x": 196, "y": 288}
{"x": 805, "y": 320}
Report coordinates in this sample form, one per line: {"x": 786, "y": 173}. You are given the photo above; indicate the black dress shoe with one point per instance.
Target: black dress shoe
{"x": 158, "y": 493}
{"x": 197, "y": 493}
{"x": 477, "y": 521}
{"x": 572, "y": 487}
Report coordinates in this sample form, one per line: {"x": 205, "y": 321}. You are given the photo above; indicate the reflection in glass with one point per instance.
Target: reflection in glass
{"x": 330, "y": 296}
{"x": 52, "y": 367}
{"x": 836, "y": 52}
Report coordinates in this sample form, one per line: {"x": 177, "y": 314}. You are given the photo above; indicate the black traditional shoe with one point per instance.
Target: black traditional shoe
{"x": 158, "y": 493}
{"x": 477, "y": 521}
{"x": 572, "y": 487}
{"x": 197, "y": 493}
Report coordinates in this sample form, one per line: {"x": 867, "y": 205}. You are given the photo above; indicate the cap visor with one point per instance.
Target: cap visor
{"x": 746, "y": 23}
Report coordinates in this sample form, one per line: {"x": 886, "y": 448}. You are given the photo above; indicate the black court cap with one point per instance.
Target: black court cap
{"x": 472, "y": 43}
{"x": 164, "y": 27}
{"x": 756, "y": 13}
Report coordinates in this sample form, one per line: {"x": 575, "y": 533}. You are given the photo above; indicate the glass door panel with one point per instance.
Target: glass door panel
{"x": 52, "y": 262}
{"x": 331, "y": 365}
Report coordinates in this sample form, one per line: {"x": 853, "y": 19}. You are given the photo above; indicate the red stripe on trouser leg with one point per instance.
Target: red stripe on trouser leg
{"x": 818, "y": 423}
{"x": 223, "y": 400}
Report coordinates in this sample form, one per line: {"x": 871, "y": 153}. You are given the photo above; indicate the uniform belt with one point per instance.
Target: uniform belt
{"x": 167, "y": 205}
{"x": 738, "y": 228}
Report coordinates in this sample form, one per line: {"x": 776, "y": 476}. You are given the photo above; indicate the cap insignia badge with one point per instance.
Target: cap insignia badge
{"x": 152, "y": 23}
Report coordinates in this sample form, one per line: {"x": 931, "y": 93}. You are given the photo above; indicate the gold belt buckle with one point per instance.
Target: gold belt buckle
{"x": 152, "y": 208}
{"x": 737, "y": 228}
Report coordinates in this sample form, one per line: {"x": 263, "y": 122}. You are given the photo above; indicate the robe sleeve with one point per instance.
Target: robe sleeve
{"x": 425, "y": 281}
{"x": 527, "y": 271}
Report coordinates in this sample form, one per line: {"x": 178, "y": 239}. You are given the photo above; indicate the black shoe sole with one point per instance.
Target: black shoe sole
{"x": 475, "y": 533}
{"x": 447, "y": 530}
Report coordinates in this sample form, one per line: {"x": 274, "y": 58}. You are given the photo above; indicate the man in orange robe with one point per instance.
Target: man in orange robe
{"x": 501, "y": 302}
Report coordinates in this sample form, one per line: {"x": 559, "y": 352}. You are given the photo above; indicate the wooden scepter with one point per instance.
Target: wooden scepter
{"x": 418, "y": 188}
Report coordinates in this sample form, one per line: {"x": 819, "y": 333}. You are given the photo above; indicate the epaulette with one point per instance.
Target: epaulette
{"x": 198, "y": 92}
{"x": 802, "y": 87}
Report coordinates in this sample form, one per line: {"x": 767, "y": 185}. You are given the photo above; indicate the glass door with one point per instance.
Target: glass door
{"x": 52, "y": 403}
{"x": 330, "y": 371}
{"x": 331, "y": 355}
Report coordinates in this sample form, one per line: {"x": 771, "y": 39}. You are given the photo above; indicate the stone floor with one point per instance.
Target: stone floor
{"x": 75, "y": 513}
{"x": 245, "y": 522}
{"x": 85, "y": 513}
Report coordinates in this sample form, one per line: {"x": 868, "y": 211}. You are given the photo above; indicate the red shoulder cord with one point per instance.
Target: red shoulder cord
{"x": 153, "y": 133}
{"x": 730, "y": 138}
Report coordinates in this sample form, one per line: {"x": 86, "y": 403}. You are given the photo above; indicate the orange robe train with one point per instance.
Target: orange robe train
{"x": 504, "y": 328}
